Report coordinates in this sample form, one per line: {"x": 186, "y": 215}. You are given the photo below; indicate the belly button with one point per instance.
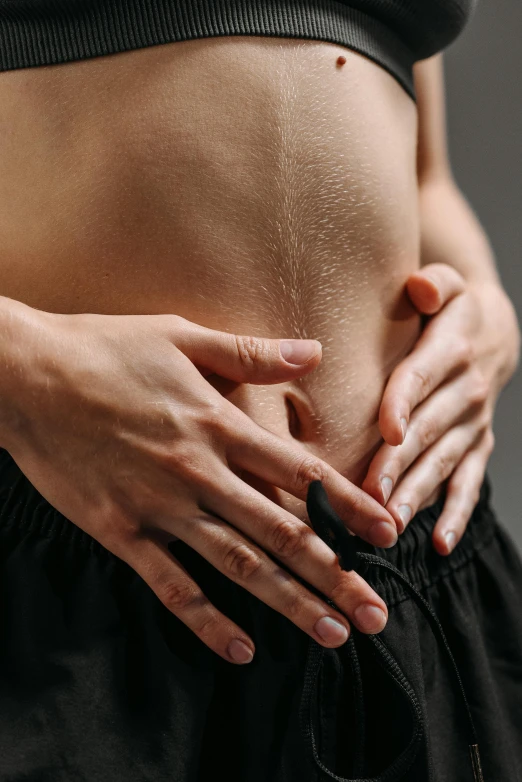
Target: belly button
{"x": 294, "y": 423}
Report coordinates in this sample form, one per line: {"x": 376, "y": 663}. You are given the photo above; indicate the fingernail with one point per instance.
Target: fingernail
{"x": 405, "y": 513}
{"x": 386, "y": 486}
{"x": 298, "y": 351}
{"x": 239, "y": 651}
{"x": 331, "y": 631}
{"x": 370, "y": 619}
{"x": 382, "y": 534}
{"x": 451, "y": 540}
{"x": 404, "y": 426}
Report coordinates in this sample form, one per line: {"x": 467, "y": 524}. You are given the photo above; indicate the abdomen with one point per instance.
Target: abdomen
{"x": 246, "y": 183}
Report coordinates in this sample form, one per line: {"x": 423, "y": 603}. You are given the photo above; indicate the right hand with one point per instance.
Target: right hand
{"x": 119, "y": 430}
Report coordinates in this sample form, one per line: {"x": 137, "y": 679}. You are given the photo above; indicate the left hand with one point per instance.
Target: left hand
{"x": 446, "y": 389}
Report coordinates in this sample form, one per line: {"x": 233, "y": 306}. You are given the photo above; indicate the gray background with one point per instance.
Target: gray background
{"x": 483, "y": 70}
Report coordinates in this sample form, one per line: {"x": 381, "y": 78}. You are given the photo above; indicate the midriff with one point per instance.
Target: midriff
{"x": 248, "y": 184}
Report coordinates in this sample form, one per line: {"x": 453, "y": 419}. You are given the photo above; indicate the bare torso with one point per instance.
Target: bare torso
{"x": 248, "y": 184}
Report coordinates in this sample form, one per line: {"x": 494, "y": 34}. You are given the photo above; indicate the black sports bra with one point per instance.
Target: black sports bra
{"x": 393, "y": 33}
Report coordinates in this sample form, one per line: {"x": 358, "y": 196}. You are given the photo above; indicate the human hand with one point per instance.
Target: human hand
{"x": 120, "y": 431}
{"x": 445, "y": 391}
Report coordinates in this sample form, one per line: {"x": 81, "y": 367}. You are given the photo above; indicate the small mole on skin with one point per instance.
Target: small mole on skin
{"x": 341, "y": 60}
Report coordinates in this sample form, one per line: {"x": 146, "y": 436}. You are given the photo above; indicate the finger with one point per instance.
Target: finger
{"x": 246, "y": 359}
{"x": 178, "y": 592}
{"x": 432, "y": 468}
{"x": 240, "y": 560}
{"x": 281, "y": 464}
{"x": 435, "y": 358}
{"x": 433, "y": 286}
{"x": 429, "y": 421}
{"x": 462, "y": 495}
{"x": 293, "y": 543}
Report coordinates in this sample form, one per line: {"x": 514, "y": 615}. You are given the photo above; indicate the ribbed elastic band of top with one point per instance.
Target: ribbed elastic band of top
{"x": 70, "y": 30}
{"x": 24, "y": 511}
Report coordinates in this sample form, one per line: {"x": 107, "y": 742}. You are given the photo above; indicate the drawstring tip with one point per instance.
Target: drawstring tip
{"x": 330, "y": 528}
{"x": 475, "y": 763}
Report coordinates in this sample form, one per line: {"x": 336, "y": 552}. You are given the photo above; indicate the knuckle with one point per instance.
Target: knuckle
{"x": 173, "y": 324}
{"x": 249, "y": 350}
{"x": 423, "y": 379}
{"x": 484, "y": 421}
{"x": 178, "y": 595}
{"x": 120, "y": 529}
{"x": 444, "y": 464}
{"x": 206, "y": 628}
{"x": 242, "y": 562}
{"x": 189, "y": 463}
{"x": 341, "y": 589}
{"x": 490, "y": 440}
{"x": 357, "y": 506}
{"x": 295, "y": 606}
{"x": 214, "y": 418}
{"x": 479, "y": 389}
{"x": 186, "y": 461}
{"x": 176, "y": 322}
{"x": 307, "y": 470}
{"x": 215, "y": 422}
{"x": 464, "y": 352}
{"x": 289, "y": 538}
{"x": 427, "y": 431}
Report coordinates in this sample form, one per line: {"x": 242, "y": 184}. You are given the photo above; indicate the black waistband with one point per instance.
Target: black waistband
{"x": 415, "y": 556}
{"x": 24, "y": 511}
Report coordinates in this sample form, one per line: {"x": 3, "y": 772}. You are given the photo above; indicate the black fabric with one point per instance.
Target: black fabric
{"x": 393, "y": 33}
{"x": 99, "y": 682}
{"x": 330, "y": 528}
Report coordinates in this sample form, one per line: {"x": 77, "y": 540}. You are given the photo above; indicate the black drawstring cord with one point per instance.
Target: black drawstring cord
{"x": 331, "y": 529}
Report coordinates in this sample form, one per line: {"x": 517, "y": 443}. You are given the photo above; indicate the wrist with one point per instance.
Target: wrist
{"x": 20, "y": 327}
{"x": 502, "y": 327}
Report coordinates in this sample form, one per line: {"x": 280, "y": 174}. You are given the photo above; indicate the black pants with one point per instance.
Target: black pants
{"x": 100, "y": 683}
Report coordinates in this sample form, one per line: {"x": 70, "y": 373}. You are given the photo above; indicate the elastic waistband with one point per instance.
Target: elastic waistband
{"x": 415, "y": 555}
{"x": 23, "y": 511}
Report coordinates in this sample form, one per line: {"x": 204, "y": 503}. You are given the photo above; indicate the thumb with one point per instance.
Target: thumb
{"x": 246, "y": 359}
{"x": 433, "y": 286}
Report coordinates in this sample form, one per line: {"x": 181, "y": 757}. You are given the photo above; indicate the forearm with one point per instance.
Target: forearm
{"x": 452, "y": 234}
